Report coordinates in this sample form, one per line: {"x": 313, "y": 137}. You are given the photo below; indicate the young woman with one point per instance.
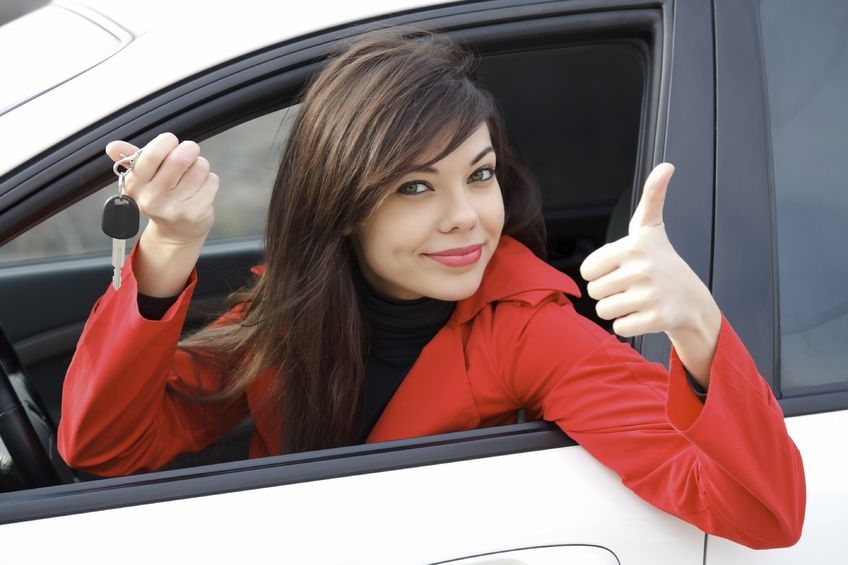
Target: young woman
{"x": 403, "y": 295}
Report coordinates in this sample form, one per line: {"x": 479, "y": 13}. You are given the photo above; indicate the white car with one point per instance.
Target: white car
{"x": 746, "y": 97}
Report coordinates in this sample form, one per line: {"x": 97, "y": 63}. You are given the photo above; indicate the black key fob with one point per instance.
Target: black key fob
{"x": 120, "y": 217}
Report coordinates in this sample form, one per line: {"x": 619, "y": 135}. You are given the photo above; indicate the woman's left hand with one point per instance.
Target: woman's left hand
{"x": 642, "y": 284}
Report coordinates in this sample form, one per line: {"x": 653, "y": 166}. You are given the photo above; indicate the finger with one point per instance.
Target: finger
{"x": 614, "y": 282}
{"x": 175, "y": 165}
{"x": 637, "y": 323}
{"x": 117, "y": 150}
{"x": 154, "y": 154}
{"x": 203, "y": 199}
{"x": 604, "y": 260}
{"x": 649, "y": 211}
{"x": 192, "y": 179}
{"x": 618, "y": 306}
{"x": 197, "y": 211}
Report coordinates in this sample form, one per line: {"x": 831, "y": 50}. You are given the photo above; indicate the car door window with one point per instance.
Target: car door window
{"x": 806, "y": 65}
{"x": 584, "y": 130}
{"x": 584, "y": 177}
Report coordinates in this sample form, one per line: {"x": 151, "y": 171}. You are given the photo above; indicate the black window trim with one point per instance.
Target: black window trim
{"x": 161, "y": 486}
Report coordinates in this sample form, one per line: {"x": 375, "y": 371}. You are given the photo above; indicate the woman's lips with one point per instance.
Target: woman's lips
{"x": 459, "y": 257}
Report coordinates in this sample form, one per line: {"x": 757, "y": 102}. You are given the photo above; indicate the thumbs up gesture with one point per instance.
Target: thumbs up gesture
{"x": 642, "y": 284}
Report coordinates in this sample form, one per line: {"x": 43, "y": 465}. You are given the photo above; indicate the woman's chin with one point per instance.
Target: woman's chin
{"x": 454, "y": 291}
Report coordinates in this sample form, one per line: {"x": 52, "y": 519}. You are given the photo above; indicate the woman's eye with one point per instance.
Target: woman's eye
{"x": 482, "y": 174}
{"x": 415, "y": 187}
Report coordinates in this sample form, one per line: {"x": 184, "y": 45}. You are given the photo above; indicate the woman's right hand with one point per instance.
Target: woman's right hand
{"x": 173, "y": 186}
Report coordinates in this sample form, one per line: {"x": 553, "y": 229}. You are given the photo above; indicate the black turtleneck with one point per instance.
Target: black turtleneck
{"x": 399, "y": 331}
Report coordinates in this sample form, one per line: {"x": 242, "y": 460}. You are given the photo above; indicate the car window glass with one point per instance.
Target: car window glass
{"x": 806, "y": 65}
{"x": 245, "y": 157}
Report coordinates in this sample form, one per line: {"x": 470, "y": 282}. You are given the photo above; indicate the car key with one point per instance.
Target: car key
{"x": 120, "y": 218}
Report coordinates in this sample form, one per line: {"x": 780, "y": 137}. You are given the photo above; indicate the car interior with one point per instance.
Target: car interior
{"x": 576, "y": 111}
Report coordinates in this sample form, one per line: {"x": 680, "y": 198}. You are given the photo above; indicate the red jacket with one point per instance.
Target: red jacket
{"x": 726, "y": 466}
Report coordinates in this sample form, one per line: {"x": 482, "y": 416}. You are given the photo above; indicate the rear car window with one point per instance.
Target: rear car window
{"x": 806, "y": 65}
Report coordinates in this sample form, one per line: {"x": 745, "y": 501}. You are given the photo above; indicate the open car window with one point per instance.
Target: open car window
{"x": 579, "y": 95}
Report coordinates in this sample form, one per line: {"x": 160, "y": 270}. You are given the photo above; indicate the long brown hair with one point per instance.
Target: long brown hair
{"x": 365, "y": 120}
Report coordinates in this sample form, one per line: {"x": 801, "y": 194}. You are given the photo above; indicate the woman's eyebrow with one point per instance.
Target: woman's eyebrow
{"x": 434, "y": 170}
{"x": 482, "y": 154}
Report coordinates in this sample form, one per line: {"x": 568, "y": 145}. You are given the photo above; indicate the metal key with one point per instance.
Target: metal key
{"x": 120, "y": 218}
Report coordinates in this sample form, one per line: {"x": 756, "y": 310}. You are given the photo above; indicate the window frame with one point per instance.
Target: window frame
{"x": 253, "y": 85}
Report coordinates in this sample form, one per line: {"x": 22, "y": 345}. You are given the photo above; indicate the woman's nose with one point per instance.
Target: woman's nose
{"x": 459, "y": 211}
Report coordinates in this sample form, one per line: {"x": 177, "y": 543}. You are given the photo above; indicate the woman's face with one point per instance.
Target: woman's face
{"x": 434, "y": 233}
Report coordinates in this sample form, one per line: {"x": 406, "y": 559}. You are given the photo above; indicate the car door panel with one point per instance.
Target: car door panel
{"x": 550, "y": 555}
{"x": 435, "y": 513}
{"x": 747, "y": 260}
{"x": 399, "y": 502}
{"x": 826, "y": 522}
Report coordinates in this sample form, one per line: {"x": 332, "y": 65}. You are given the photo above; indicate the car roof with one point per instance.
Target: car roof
{"x": 94, "y": 57}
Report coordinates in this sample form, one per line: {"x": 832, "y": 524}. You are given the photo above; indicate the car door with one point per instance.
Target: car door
{"x": 780, "y": 268}
{"x": 522, "y": 492}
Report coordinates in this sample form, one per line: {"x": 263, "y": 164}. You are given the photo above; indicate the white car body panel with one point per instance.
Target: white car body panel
{"x": 826, "y": 524}
{"x": 95, "y": 38}
{"x": 171, "y": 41}
{"x": 331, "y": 524}
{"x": 508, "y": 501}
{"x": 508, "y": 504}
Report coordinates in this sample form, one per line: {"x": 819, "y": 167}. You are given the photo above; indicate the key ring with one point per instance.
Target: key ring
{"x": 127, "y": 161}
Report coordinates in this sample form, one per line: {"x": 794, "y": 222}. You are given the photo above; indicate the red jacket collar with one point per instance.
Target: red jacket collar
{"x": 514, "y": 273}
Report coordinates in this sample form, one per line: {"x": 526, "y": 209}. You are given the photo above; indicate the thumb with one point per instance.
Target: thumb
{"x": 117, "y": 150}
{"x": 649, "y": 211}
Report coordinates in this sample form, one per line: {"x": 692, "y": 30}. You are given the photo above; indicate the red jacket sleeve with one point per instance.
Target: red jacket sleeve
{"x": 131, "y": 398}
{"x": 727, "y": 465}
